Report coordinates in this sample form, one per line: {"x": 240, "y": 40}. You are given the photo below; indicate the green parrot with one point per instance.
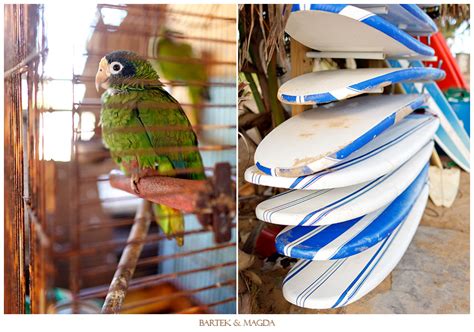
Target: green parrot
{"x": 179, "y": 67}
{"x": 144, "y": 128}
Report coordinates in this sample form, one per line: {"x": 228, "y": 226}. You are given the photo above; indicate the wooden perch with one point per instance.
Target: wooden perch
{"x": 181, "y": 194}
{"x": 213, "y": 200}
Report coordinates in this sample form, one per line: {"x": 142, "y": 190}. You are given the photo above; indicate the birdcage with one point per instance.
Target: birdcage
{"x": 77, "y": 238}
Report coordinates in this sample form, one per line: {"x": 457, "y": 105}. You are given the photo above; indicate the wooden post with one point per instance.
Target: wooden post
{"x": 300, "y": 64}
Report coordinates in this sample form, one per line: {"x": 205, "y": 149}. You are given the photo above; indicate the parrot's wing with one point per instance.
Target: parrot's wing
{"x": 169, "y": 130}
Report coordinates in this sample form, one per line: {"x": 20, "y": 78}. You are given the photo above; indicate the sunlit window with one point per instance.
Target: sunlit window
{"x": 87, "y": 125}
{"x": 56, "y": 127}
{"x": 56, "y": 130}
{"x": 113, "y": 16}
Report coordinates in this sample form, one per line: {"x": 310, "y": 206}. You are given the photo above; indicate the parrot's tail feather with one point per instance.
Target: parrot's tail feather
{"x": 171, "y": 221}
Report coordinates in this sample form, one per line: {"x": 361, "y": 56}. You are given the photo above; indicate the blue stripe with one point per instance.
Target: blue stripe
{"x": 366, "y": 138}
{"x": 296, "y": 270}
{"x": 297, "y": 181}
{"x": 322, "y": 282}
{"x": 353, "y": 196}
{"x": 404, "y": 75}
{"x": 405, "y": 39}
{"x": 320, "y": 98}
{"x": 267, "y": 215}
{"x": 363, "y": 271}
{"x": 385, "y": 247}
{"x": 318, "y": 282}
{"x": 345, "y": 200}
{"x": 334, "y": 8}
{"x": 421, "y": 15}
{"x": 289, "y": 98}
{"x": 322, "y": 275}
{"x": 264, "y": 169}
{"x": 388, "y": 220}
{"x": 313, "y": 244}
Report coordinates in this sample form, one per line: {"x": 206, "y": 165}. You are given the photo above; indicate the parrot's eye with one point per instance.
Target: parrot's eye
{"x": 115, "y": 67}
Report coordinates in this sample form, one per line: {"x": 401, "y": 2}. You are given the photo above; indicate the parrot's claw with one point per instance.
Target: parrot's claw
{"x": 134, "y": 180}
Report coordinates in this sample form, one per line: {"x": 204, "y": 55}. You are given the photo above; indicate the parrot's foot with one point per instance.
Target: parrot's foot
{"x": 134, "y": 180}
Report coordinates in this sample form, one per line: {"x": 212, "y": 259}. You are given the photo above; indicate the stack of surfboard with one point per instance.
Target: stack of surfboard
{"x": 356, "y": 169}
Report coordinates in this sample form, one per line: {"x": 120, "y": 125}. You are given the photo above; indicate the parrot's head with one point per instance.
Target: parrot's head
{"x": 122, "y": 69}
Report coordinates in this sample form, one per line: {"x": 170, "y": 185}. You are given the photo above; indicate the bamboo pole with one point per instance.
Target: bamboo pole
{"x": 300, "y": 64}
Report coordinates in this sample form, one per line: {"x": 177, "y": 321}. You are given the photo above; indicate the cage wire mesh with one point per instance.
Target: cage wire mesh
{"x": 71, "y": 226}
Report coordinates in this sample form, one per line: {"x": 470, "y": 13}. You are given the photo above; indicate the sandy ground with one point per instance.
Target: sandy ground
{"x": 432, "y": 277}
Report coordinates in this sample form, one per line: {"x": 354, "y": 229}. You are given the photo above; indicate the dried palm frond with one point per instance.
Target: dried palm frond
{"x": 243, "y": 93}
{"x": 451, "y": 17}
{"x": 261, "y": 31}
{"x": 265, "y": 26}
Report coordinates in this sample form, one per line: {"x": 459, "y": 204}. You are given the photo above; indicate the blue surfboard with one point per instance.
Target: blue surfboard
{"x": 407, "y": 17}
{"x": 336, "y": 283}
{"x": 345, "y": 239}
{"x": 451, "y": 135}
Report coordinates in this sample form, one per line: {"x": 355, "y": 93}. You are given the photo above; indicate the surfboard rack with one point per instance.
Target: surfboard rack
{"x": 421, "y": 58}
{"x": 344, "y": 55}
{"x": 361, "y": 55}
{"x": 377, "y": 9}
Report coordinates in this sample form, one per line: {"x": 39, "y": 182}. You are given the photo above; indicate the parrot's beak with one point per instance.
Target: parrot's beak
{"x": 102, "y": 75}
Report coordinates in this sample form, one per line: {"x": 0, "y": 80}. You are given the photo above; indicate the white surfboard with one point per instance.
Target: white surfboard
{"x": 332, "y": 85}
{"x": 351, "y": 237}
{"x": 330, "y": 206}
{"x": 329, "y": 28}
{"x": 382, "y": 155}
{"x": 320, "y": 138}
{"x": 336, "y": 283}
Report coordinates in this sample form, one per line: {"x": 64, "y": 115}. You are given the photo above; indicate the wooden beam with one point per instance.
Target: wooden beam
{"x": 300, "y": 64}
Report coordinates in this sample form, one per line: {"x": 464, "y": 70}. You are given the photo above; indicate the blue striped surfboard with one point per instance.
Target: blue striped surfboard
{"x": 337, "y": 283}
{"x": 320, "y": 138}
{"x": 382, "y": 155}
{"x": 451, "y": 135}
{"x": 407, "y": 17}
{"x": 332, "y": 85}
{"x": 336, "y": 27}
{"x": 330, "y": 206}
{"x": 350, "y": 237}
